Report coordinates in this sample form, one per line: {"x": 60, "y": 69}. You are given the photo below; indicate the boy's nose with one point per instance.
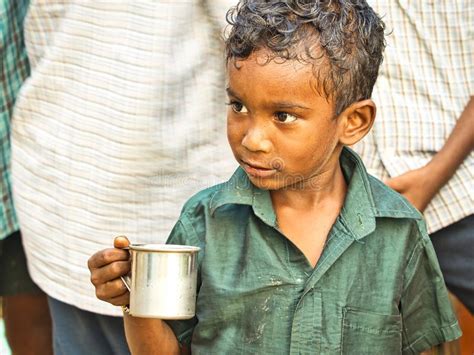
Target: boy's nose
{"x": 255, "y": 140}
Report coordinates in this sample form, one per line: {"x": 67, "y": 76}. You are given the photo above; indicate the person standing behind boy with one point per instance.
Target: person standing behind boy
{"x": 423, "y": 138}
{"x": 120, "y": 122}
{"x": 302, "y": 252}
{"x": 24, "y": 306}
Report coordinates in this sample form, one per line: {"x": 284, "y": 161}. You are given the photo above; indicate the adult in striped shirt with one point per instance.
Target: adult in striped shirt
{"x": 423, "y": 138}
{"x": 121, "y": 119}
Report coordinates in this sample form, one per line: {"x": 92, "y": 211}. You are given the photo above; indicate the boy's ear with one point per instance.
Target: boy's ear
{"x": 356, "y": 121}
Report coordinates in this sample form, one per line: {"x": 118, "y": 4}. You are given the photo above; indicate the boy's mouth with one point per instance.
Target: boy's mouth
{"x": 257, "y": 170}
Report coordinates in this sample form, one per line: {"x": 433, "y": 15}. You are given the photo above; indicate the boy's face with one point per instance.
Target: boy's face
{"x": 281, "y": 131}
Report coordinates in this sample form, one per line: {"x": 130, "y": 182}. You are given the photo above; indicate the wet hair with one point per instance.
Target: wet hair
{"x": 344, "y": 40}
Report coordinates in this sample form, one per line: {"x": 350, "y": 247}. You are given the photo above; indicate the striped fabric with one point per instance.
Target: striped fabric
{"x": 122, "y": 120}
{"x": 14, "y": 68}
{"x": 425, "y": 82}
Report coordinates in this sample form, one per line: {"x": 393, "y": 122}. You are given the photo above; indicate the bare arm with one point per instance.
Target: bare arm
{"x": 419, "y": 186}
{"x": 459, "y": 145}
{"x": 150, "y": 336}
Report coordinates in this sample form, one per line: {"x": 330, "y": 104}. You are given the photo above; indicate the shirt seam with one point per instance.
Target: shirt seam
{"x": 413, "y": 260}
{"x": 187, "y": 225}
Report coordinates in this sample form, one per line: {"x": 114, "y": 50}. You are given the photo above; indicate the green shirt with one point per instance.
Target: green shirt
{"x": 14, "y": 69}
{"x": 377, "y": 287}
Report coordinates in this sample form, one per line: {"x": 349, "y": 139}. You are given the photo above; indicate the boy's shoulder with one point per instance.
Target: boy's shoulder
{"x": 372, "y": 194}
{"x": 389, "y": 203}
{"x": 202, "y": 199}
{"x": 373, "y": 209}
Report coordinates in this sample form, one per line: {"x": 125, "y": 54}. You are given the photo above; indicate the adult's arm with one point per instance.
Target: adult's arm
{"x": 419, "y": 186}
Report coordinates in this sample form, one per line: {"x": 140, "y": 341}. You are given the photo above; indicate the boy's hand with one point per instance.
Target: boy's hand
{"x": 417, "y": 186}
{"x": 106, "y": 267}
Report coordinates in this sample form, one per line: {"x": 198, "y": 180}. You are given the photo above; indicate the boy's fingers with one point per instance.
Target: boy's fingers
{"x": 121, "y": 300}
{"x": 107, "y": 256}
{"x": 111, "y": 290}
{"x": 121, "y": 242}
{"x": 100, "y": 276}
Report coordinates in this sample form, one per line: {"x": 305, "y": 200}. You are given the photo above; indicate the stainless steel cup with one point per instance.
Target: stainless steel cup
{"x": 163, "y": 281}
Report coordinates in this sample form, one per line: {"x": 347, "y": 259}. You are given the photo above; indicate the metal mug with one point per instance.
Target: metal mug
{"x": 163, "y": 281}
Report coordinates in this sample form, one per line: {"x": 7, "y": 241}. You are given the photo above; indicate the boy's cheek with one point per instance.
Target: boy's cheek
{"x": 234, "y": 134}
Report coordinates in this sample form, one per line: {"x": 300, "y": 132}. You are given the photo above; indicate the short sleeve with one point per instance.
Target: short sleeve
{"x": 183, "y": 234}
{"x": 427, "y": 314}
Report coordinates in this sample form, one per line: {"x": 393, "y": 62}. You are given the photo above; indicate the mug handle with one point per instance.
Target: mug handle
{"x": 127, "y": 279}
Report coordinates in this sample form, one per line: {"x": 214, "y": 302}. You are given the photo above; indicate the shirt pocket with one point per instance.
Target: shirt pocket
{"x": 366, "y": 332}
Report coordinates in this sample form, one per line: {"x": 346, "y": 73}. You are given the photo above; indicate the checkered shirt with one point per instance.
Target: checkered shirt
{"x": 14, "y": 69}
{"x": 425, "y": 82}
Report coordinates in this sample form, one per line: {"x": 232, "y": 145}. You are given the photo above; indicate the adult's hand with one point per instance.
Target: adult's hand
{"x": 417, "y": 186}
{"x": 106, "y": 267}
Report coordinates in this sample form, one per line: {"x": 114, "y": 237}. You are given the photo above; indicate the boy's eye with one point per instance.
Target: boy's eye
{"x": 238, "y": 107}
{"x": 284, "y": 117}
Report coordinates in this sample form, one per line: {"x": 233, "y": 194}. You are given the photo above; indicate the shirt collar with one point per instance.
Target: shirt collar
{"x": 239, "y": 190}
{"x": 357, "y": 214}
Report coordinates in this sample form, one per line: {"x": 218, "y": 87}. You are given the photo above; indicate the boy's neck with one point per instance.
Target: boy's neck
{"x": 328, "y": 188}
{"x": 305, "y": 216}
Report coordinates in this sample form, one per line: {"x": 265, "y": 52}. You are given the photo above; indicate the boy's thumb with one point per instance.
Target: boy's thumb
{"x": 121, "y": 242}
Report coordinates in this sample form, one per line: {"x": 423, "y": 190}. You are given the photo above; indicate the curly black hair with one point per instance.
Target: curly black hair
{"x": 347, "y": 36}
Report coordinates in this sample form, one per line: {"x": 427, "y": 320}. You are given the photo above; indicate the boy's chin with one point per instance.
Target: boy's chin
{"x": 264, "y": 183}
{"x": 267, "y": 183}
{"x": 274, "y": 184}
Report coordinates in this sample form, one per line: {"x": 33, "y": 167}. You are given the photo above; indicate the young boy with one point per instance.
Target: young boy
{"x": 302, "y": 251}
